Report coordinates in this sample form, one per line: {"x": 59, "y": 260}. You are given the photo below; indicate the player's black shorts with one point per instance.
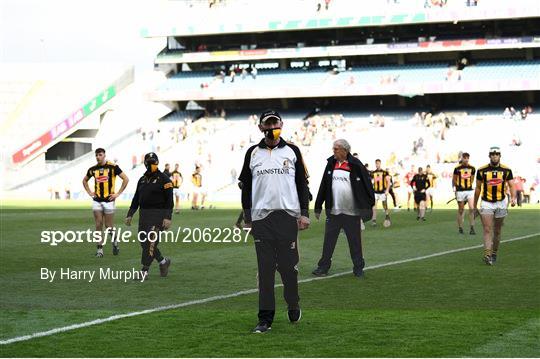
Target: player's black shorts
{"x": 419, "y": 197}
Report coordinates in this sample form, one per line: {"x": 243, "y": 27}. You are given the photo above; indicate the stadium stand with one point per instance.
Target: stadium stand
{"x": 396, "y": 96}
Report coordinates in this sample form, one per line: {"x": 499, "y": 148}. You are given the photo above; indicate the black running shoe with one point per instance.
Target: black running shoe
{"x": 261, "y": 328}
{"x": 115, "y": 250}
{"x": 294, "y": 315}
{"x": 460, "y": 230}
{"x": 359, "y": 274}
{"x": 472, "y": 231}
{"x": 319, "y": 272}
{"x": 493, "y": 258}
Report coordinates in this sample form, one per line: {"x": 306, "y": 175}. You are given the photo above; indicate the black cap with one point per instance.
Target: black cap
{"x": 151, "y": 157}
{"x": 269, "y": 114}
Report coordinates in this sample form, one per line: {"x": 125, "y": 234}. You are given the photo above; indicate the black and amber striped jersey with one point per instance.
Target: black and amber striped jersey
{"x": 176, "y": 178}
{"x": 196, "y": 179}
{"x": 379, "y": 180}
{"x": 464, "y": 177}
{"x": 432, "y": 177}
{"x": 104, "y": 178}
{"x": 493, "y": 180}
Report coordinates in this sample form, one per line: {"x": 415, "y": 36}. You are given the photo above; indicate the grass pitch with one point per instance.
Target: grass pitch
{"x": 449, "y": 305}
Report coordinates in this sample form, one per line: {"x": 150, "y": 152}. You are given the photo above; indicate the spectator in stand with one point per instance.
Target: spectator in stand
{"x": 507, "y": 114}
{"x": 524, "y": 114}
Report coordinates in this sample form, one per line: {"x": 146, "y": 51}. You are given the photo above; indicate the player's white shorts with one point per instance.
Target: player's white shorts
{"x": 430, "y": 191}
{"x": 199, "y": 190}
{"x": 177, "y": 192}
{"x": 410, "y": 189}
{"x": 499, "y": 208}
{"x": 105, "y": 207}
{"x": 464, "y": 196}
{"x": 380, "y": 197}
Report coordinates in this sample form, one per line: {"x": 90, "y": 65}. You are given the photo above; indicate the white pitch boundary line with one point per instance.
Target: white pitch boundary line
{"x": 232, "y": 295}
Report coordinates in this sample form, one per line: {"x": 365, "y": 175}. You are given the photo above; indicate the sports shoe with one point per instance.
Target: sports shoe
{"x": 319, "y": 272}
{"x": 460, "y": 230}
{"x": 294, "y": 315}
{"x": 359, "y": 274}
{"x": 423, "y": 219}
{"x": 488, "y": 260}
{"x": 373, "y": 223}
{"x": 418, "y": 218}
{"x": 472, "y": 231}
{"x": 261, "y": 328}
{"x": 99, "y": 253}
{"x": 164, "y": 268}
{"x": 493, "y": 258}
{"x": 115, "y": 250}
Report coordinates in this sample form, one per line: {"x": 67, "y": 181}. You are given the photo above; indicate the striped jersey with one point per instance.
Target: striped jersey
{"x": 494, "y": 180}
{"x": 104, "y": 179}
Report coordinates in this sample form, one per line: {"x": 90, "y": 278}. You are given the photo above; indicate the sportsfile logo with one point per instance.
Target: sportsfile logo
{"x": 181, "y": 235}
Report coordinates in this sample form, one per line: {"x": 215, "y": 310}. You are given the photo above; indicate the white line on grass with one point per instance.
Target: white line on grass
{"x": 232, "y": 295}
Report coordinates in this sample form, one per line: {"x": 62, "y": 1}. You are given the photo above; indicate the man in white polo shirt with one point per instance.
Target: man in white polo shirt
{"x": 349, "y": 197}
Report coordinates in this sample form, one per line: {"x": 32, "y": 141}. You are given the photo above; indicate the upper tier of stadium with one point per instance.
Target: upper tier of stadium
{"x": 366, "y": 80}
{"x": 171, "y": 56}
{"x": 183, "y": 18}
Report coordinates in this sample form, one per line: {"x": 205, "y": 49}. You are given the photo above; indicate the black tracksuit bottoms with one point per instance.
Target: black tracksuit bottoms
{"x": 351, "y": 226}
{"x": 276, "y": 244}
{"x": 149, "y": 240}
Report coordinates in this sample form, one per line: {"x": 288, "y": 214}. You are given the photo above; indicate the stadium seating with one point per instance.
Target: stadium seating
{"x": 368, "y": 75}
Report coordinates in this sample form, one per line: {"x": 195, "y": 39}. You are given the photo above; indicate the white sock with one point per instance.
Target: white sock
{"x": 163, "y": 261}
